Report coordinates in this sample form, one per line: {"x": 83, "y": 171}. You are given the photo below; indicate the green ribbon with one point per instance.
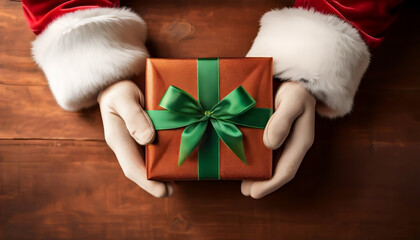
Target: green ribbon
{"x": 182, "y": 110}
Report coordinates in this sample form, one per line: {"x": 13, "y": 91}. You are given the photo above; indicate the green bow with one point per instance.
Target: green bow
{"x": 182, "y": 110}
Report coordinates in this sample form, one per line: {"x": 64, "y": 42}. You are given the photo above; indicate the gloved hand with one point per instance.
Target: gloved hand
{"x": 292, "y": 124}
{"x": 125, "y": 123}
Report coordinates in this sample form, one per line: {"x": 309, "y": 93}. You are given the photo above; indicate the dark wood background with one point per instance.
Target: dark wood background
{"x": 360, "y": 180}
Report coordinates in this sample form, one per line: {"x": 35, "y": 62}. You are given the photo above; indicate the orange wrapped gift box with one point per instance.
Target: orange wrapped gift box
{"x": 209, "y": 116}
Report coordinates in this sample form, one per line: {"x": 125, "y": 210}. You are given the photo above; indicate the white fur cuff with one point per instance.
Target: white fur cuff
{"x": 83, "y": 52}
{"x": 322, "y": 52}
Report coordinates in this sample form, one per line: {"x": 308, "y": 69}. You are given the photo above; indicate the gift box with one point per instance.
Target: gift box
{"x": 209, "y": 116}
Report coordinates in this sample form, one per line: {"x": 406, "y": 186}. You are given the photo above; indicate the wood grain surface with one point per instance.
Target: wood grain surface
{"x": 360, "y": 180}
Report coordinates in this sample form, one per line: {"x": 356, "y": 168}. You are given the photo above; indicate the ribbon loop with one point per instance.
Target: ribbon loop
{"x": 181, "y": 102}
{"x": 235, "y": 103}
{"x": 163, "y": 119}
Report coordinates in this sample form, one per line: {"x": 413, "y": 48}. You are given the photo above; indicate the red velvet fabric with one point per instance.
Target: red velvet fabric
{"x": 41, "y": 13}
{"x": 370, "y": 17}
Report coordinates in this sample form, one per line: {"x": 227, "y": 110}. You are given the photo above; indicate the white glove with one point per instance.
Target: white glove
{"x": 125, "y": 123}
{"x": 293, "y": 121}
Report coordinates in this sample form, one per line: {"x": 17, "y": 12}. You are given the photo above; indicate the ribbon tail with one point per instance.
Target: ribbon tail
{"x": 231, "y": 136}
{"x": 190, "y": 139}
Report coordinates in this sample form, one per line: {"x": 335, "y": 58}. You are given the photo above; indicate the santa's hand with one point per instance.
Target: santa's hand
{"x": 292, "y": 124}
{"x": 125, "y": 123}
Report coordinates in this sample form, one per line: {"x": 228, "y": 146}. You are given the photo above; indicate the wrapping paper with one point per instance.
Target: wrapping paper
{"x": 253, "y": 74}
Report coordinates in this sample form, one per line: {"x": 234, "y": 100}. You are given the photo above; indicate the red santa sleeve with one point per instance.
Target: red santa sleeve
{"x": 325, "y": 45}
{"x": 83, "y": 46}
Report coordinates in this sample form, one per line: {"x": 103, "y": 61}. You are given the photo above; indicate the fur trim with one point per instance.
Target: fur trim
{"x": 323, "y": 52}
{"x": 83, "y": 52}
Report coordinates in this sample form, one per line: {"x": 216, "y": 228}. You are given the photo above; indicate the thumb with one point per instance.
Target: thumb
{"x": 136, "y": 119}
{"x": 278, "y": 127}
{"x": 126, "y": 100}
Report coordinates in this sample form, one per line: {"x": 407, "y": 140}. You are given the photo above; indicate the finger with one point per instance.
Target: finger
{"x": 129, "y": 155}
{"x": 297, "y": 145}
{"x": 136, "y": 119}
{"x": 246, "y": 187}
{"x": 278, "y": 126}
{"x": 169, "y": 189}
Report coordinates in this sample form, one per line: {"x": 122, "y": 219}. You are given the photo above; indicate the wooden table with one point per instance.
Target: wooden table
{"x": 360, "y": 180}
